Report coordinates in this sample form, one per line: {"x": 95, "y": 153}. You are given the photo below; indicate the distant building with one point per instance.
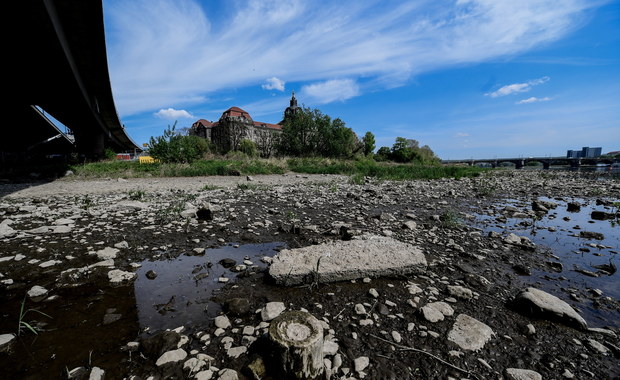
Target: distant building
{"x": 236, "y": 124}
{"x": 585, "y": 152}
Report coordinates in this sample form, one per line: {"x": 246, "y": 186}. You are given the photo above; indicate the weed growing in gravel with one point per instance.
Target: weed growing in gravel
{"x": 137, "y": 195}
{"x": 22, "y": 324}
{"x": 210, "y": 187}
{"x": 484, "y": 187}
{"x": 250, "y": 186}
{"x": 450, "y": 219}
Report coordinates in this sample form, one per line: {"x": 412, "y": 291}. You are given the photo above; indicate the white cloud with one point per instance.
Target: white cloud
{"x": 331, "y": 90}
{"x": 517, "y": 87}
{"x": 533, "y": 99}
{"x": 172, "y": 114}
{"x": 177, "y": 51}
{"x": 461, "y": 134}
{"x": 274, "y": 83}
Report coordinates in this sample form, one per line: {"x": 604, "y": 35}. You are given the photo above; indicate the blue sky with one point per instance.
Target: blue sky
{"x": 469, "y": 78}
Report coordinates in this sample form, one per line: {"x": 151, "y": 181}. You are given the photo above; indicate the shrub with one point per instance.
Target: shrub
{"x": 248, "y": 147}
{"x": 173, "y": 147}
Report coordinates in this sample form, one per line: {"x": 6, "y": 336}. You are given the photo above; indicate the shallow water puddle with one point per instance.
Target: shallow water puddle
{"x": 180, "y": 294}
{"x": 581, "y": 258}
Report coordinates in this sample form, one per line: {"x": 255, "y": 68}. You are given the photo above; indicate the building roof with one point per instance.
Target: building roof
{"x": 236, "y": 112}
{"x": 203, "y": 122}
{"x": 267, "y": 125}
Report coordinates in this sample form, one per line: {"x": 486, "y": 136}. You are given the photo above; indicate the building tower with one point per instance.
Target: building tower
{"x": 292, "y": 109}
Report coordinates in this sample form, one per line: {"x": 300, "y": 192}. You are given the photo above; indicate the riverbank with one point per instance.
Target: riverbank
{"x": 167, "y": 238}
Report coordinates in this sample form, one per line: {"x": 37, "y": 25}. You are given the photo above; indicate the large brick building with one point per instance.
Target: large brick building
{"x": 236, "y": 124}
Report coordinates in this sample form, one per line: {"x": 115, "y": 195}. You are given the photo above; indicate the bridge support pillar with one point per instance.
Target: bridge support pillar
{"x": 91, "y": 144}
{"x": 519, "y": 164}
{"x": 546, "y": 165}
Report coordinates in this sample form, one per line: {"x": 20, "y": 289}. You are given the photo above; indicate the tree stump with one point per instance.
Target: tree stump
{"x": 297, "y": 339}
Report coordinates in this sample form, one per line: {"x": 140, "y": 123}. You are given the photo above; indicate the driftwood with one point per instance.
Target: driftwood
{"x": 297, "y": 340}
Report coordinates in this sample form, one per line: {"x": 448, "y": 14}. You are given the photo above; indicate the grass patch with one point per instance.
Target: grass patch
{"x": 238, "y": 166}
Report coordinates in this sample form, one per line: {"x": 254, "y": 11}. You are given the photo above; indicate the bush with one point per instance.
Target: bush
{"x": 248, "y": 147}
{"x": 173, "y": 147}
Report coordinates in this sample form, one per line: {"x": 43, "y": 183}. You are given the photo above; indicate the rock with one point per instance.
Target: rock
{"x": 573, "y": 207}
{"x": 361, "y": 363}
{"x": 228, "y": 374}
{"x": 121, "y": 245}
{"x": 37, "y": 293}
{"x": 222, "y": 322}
{"x": 237, "y": 306}
{"x": 111, "y": 318}
{"x": 567, "y": 374}
{"x": 194, "y": 365}
{"x": 372, "y": 256}
{"x": 107, "y": 253}
{"x": 171, "y": 357}
{"x": 235, "y": 352}
{"x": 521, "y": 374}
{"x": 460, "y": 292}
{"x": 154, "y": 346}
{"x": 207, "y": 211}
{"x": 330, "y": 347}
{"x": 396, "y": 336}
{"x": 360, "y": 309}
{"x": 204, "y": 375}
{"x": 602, "y": 215}
{"x": 373, "y": 292}
{"x": 227, "y": 263}
{"x": 49, "y": 263}
{"x": 117, "y": 276}
{"x": 76, "y": 373}
{"x": 597, "y": 346}
{"x": 431, "y": 314}
{"x": 96, "y": 373}
{"x": 256, "y": 369}
{"x": 522, "y": 270}
{"x": 537, "y": 303}
{"x": 6, "y": 342}
{"x": 591, "y": 235}
{"x": 6, "y": 231}
{"x": 151, "y": 274}
{"x": 469, "y": 334}
{"x": 410, "y": 225}
{"x": 272, "y": 310}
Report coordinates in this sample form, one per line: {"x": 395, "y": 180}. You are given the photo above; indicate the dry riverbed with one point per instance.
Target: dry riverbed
{"x": 169, "y": 277}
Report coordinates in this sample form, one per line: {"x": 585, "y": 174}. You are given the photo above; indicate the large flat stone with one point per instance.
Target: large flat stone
{"x": 537, "y": 303}
{"x": 470, "y": 334}
{"x": 368, "y": 256}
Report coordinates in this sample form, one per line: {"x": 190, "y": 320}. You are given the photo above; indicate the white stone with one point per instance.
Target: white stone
{"x": 121, "y": 245}
{"x": 6, "y": 230}
{"x": 228, "y": 374}
{"x": 96, "y": 374}
{"x": 37, "y": 292}
{"x": 272, "y": 310}
{"x": 360, "y": 309}
{"x": 171, "y": 357}
{"x": 117, "y": 276}
{"x": 396, "y": 336}
{"x": 49, "y": 263}
{"x": 361, "y": 363}
{"x": 373, "y": 292}
{"x": 222, "y": 321}
{"x": 248, "y": 330}
{"x": 597, "y": 346}
{"x": 107, "y": 253}
{"x": 431, "y": 314}
{"x": 235, "y": 352}
{"x": 330, "y": 347}
{"x": 460, "y": 292}
{"x": 204, "y": 375}
{"x": 536, "y": 301}
{"x": 522, "y": 374}
{"x": 469, "y": 333}
{"x": 5, "y": 341}
{"x": 194, "y": 365}
{"x": 368, "y": 256}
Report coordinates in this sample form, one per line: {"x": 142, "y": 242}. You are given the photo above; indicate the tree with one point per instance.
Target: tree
{"x": 311, "y": 133}
{"x": 248, "y": 147}
{"x": 369, "y": 143}
{"x": 408, "y": 150}
{"x": 383, "y": 154}
{"x": 173, "y": 147}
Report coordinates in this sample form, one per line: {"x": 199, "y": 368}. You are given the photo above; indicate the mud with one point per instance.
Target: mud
{"x": 154, "y": 225}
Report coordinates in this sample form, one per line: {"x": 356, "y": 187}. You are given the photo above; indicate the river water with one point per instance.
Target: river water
{"x": 587, "y": 264}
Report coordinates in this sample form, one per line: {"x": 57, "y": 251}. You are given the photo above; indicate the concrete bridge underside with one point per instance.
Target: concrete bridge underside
{"x": 58, "y": 62}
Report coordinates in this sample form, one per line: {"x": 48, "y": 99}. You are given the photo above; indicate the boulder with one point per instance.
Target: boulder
{"x": 272, "y": 310}
{"x": 237, "y": 306}
{"x": 368, "y": 256}
{"x": 154, "y": 346}
{"x": 521, "y": 374}
{"x": 117, "y": 276}
{"x": 469, "y": 333}
{"x": 537, "y": 303}
{"x": 171, "y": 357}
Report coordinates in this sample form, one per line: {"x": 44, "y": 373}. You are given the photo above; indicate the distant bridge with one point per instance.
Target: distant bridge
{"x": 57, "y": 65}
{"x": 546, "y": 162}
